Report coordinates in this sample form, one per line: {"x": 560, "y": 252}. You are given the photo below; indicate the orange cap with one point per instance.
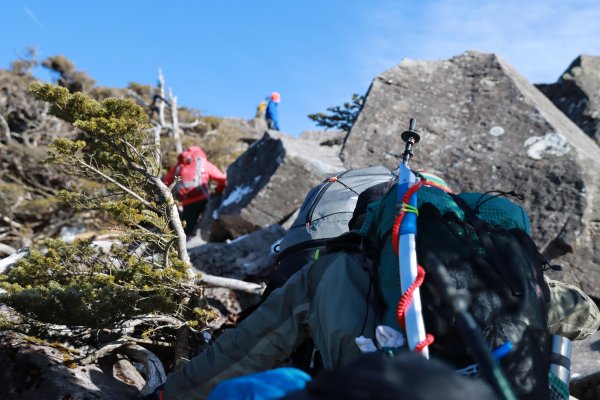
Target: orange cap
{"x": 276, "y": 97}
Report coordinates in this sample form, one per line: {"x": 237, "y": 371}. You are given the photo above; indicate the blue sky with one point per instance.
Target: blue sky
{"x": 223, "y": 57}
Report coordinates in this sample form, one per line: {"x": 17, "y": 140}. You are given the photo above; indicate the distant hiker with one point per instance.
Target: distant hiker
{"x": 190, "y": 179}
{"x": 336, "y": 300}
{"x": 272, "y": 115}
{"x": 261, "y": 108}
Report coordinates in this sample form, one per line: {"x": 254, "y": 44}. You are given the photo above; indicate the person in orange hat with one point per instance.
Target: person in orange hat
{"x": 272, "y": 115}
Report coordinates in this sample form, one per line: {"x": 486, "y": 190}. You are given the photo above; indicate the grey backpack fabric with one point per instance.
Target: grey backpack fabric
{"x": 325, "y": 213}
{"x": 328, "y": 208}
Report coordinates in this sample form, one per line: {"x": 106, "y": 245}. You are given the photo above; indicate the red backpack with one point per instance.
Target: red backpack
{"x": 189, "y": 174}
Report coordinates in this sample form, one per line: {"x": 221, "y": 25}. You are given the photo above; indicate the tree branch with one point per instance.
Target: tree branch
{"x": 161, "y": 106}
{"x": 111, "y": 180}
{"x": 6, "y": 129}
{"x": 229, "y": 283}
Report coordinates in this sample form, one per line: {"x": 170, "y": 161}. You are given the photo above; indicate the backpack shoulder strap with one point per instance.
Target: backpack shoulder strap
{"x": 198, "y": 177}
{"x": 349, "y": 242}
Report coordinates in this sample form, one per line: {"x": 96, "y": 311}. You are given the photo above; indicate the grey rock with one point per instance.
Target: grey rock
{"x": 35, "y": 370}
{"x": 325, "y": 138}
{"x": 484, "y": 127}
{"x": 248, "y": 257}
{"x": 585, "y": 368}
{"x": 17, "y": 106}
{"x": 577, "y": 94}
{"x": 270, "y": 180}
{"x": 253, "y": 129}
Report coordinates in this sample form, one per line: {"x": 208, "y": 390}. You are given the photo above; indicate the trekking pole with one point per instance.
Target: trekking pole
{"x": 411, "y": 137}
{"x": 407, "y": 251}
{"x": 458, "y": 302}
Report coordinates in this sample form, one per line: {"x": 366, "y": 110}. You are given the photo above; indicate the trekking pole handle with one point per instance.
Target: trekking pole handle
{"x": 411, "y": 137}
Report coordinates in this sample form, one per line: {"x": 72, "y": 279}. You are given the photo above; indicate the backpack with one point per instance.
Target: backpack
{"x": 484, "y": 244}
{"x": 188, "y": 174}
{"x": 324, "y": 214}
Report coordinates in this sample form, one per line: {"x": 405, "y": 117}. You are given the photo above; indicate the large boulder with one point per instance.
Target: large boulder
{"x": 270, "y": 180}
{"x": 577, "y": 94}
{"x": 484, "y": 127}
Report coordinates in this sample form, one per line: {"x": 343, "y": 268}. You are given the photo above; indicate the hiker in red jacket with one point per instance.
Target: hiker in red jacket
{"x": 190, "y": 178}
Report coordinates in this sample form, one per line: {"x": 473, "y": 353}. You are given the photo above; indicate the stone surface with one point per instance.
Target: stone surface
{"x": 248, "y": 257}
{"x": 270, "y": 180}
{"x": 585, "y": 368}
{"x": 325, "y": 138}
{"x": 577, "y": 94}
{"x": 33, "y": 370}
{"x": 484, "y": 127}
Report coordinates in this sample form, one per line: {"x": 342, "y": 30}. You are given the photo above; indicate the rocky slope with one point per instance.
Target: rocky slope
{"x": 577, "y": 94}
{"x": 483, "y": 127}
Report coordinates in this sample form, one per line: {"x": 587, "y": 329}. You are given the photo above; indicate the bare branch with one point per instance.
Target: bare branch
{"x": 111, "y": 180}
{"x": 157, "y": 156}
{"x": 150, "y": 341}
{"x": 137, "y": 154}
{"x": 189, "y": 125}
{"x": 175, "y": 118}
{"x": 6, "y": 129}
{"x": 128, "y": 326}
{"x": 6, "y": 249}
{"x": 229, "y": 283}
{"x": 174, "y": 222}
{"x": 10, "y": 222}
{"x": 161, "y": 105}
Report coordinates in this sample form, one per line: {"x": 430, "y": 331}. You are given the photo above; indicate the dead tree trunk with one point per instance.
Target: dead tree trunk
{"x": 175, "y": 122}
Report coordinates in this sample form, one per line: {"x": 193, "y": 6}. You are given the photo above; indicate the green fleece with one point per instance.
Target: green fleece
{"x": 326, "y": 300}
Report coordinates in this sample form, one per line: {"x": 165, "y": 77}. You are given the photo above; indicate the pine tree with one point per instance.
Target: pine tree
{"x": 145, "y": 276}
{"x": 340, "y": 117}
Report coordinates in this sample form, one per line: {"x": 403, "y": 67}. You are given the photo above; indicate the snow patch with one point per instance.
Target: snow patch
{"x": 551, "y": 143}
{"x": 236, "y": 195}
{"x": 70, "y": 233}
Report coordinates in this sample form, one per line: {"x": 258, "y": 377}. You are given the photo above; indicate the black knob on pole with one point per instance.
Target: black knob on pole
{"x": 410, "y": 137}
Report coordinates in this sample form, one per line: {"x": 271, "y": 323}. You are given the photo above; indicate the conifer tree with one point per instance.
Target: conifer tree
{"x": 340, "y": 117}
{"x": 145, "y": 278}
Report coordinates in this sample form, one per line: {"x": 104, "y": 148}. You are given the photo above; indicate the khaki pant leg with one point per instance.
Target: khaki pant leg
{"x": 571, "y": 313}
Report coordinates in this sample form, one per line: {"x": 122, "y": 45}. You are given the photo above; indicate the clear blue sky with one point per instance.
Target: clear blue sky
{"x": 223, "y": 57}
